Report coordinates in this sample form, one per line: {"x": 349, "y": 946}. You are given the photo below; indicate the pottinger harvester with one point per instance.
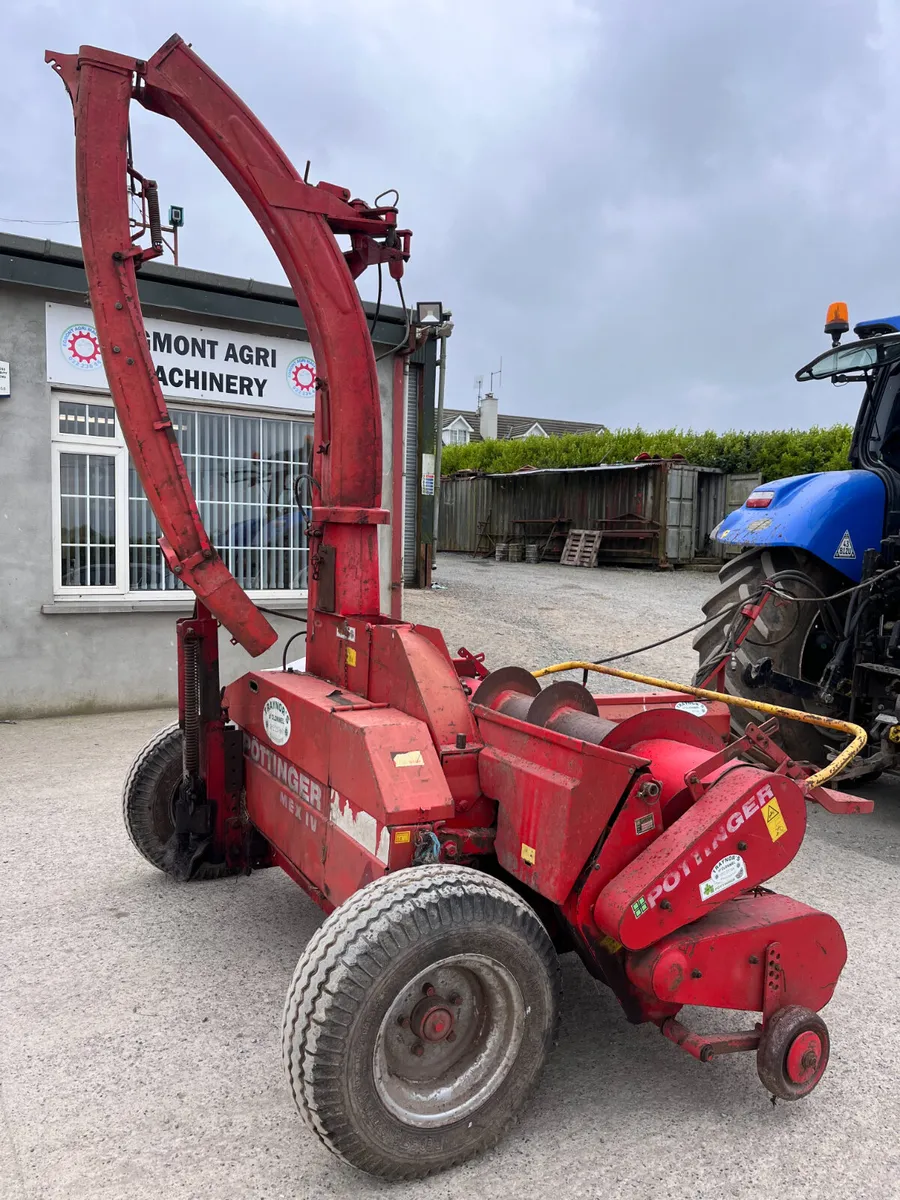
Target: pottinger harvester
{"x": 461, "y": 828}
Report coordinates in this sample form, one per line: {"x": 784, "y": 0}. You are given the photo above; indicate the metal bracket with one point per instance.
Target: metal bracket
{"x": 773, "y": 983}
{"x": 753, "y": 735}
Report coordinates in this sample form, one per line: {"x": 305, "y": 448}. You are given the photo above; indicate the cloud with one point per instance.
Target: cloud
{"x": 644, "y": 209}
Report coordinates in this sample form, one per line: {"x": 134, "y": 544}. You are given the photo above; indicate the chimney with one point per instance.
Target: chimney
{"x": 487, "y": 416}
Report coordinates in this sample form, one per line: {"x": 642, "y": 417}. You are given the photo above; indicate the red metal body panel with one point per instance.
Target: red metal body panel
{"x": 676, "y": 879}
{"x": 412, "y": 670}
{"x": 636, "y": 827}
{"x": 349, "y": 774}
{"x": 720, "y": 960}
{"x": 619, "y": 707}
{"x": 556, "y": 797}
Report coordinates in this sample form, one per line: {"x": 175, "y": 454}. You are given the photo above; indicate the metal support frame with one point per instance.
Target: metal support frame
{"x": 301, "y": 222}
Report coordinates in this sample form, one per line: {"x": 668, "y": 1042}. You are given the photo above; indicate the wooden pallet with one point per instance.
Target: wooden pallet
{"x": 485, "y": 542}
{"x": 581, "y": 548}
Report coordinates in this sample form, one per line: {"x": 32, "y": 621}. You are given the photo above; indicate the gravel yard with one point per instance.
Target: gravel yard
{"x": 140, "y": 1040}
{"x": 537, "y": 615}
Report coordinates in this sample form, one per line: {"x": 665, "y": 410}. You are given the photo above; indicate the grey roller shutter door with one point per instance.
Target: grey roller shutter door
{"x": 411, "y": 472}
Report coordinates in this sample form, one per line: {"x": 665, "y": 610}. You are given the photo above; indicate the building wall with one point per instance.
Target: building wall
{"x": 58, "y": 661}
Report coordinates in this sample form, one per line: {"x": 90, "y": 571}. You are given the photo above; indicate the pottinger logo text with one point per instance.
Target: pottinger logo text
{"x": 730, "y": 826}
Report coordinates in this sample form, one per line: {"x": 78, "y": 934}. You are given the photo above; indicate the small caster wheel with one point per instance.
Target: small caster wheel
{"x": 793, "y": 1052}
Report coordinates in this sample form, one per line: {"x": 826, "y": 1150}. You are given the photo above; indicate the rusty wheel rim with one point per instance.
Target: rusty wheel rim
{"x": 448, "y": 1040}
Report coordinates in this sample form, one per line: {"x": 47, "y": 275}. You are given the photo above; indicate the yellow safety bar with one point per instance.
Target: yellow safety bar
{"x": 847, "y": 755}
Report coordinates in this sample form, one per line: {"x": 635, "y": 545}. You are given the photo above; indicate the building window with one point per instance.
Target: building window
{"x": 242, "y": 469}
{"x": 87, "y": 519}
{"x": 456, "y": 437}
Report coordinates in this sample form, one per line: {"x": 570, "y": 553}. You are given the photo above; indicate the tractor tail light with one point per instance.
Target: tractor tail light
{"x": 760, "y": 499}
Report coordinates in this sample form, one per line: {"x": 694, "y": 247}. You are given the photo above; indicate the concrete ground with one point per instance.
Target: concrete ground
{"x": 140, "y": 1052}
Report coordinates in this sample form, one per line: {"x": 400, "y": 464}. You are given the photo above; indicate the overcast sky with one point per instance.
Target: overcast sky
{"x": 643, "y": 208}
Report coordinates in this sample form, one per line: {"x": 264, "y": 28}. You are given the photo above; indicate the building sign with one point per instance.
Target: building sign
{"x": 192, "y": 362}
{"x": 427, "y": 474}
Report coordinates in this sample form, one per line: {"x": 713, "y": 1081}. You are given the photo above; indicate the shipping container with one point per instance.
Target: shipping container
{"x": 658, "y": 512}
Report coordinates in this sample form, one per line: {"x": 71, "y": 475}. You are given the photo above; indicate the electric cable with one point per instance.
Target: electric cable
{"x": 287, "y": 646}
{"x": 662, "y": 641}
{"x": 274, "y": 612}
{"x": 754, "y": 599}
{"x": 393, "y": 349}
{"x": 857, "y": 587}
{"x": 24, "y": 221}
{"x": 377, "y": 312}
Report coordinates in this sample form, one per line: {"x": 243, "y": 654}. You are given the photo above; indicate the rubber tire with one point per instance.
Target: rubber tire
{"x": 784, "y": 626}
{"x": 352, "y": 970}
{"x": 781, "y": 1030}
{"x": 147, "y": 799}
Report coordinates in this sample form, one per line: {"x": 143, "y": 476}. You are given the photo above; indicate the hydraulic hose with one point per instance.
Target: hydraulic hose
{"x": 856, "y": 732}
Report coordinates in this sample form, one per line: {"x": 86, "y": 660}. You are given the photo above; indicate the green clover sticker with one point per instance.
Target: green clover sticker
{"x": 707, "y": 889}
{"x": 639, "y": 907}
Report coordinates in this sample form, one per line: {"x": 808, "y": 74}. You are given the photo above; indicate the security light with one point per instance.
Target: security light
{"x": 429, "y": 312}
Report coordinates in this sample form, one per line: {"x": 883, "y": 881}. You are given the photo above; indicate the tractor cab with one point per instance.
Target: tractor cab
{"x": 827, "y": 547}
{"x": 873, "y": 360}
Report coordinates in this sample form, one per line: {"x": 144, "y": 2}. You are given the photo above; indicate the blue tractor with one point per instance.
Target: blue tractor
{"x": 826, "y": 549}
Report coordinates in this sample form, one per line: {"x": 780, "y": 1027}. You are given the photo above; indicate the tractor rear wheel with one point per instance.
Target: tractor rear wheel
{"x": 148, "y": 799}
{"x": 419, "y": 1020}
{"x": 794, "y": 636}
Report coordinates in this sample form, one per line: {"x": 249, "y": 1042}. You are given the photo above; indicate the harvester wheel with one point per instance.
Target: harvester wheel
{"x": 793, "y": 636}
{"x": 148, "y": 797}
{"x": 793, "y": 1052}
{"x": 419, "y": 1020}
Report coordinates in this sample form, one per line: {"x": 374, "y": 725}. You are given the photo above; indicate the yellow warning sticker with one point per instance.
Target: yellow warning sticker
{"x": 528, "y": 854}
{"x": 351, "y": 656}
{"x": 402, "y": 835}
{"x": 775, "y": 822}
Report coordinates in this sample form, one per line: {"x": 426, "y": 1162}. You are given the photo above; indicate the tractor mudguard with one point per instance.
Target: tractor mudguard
{"x": 836, "y": 515}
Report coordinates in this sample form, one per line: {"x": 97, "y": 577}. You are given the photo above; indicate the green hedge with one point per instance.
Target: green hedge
{"x": 776, "y": 453}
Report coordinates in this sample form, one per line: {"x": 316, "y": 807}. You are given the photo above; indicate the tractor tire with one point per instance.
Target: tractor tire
{"x": 419, "y": 1020}
{"x": 784, "y": 633}
{"x": 147, "y": 799}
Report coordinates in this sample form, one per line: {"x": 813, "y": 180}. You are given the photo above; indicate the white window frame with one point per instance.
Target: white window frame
{"x": 63, "y": 443}
{"x": 456, "y": 426}
{"x": 534, "y": 430}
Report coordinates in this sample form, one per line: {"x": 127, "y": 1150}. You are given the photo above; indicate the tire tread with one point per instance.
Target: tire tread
{"x": 331, "y": 979}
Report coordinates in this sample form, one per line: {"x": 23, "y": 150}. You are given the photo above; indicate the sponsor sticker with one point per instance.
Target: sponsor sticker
{"x": 725, "y": 874}
{"x": 276, "y": 721}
